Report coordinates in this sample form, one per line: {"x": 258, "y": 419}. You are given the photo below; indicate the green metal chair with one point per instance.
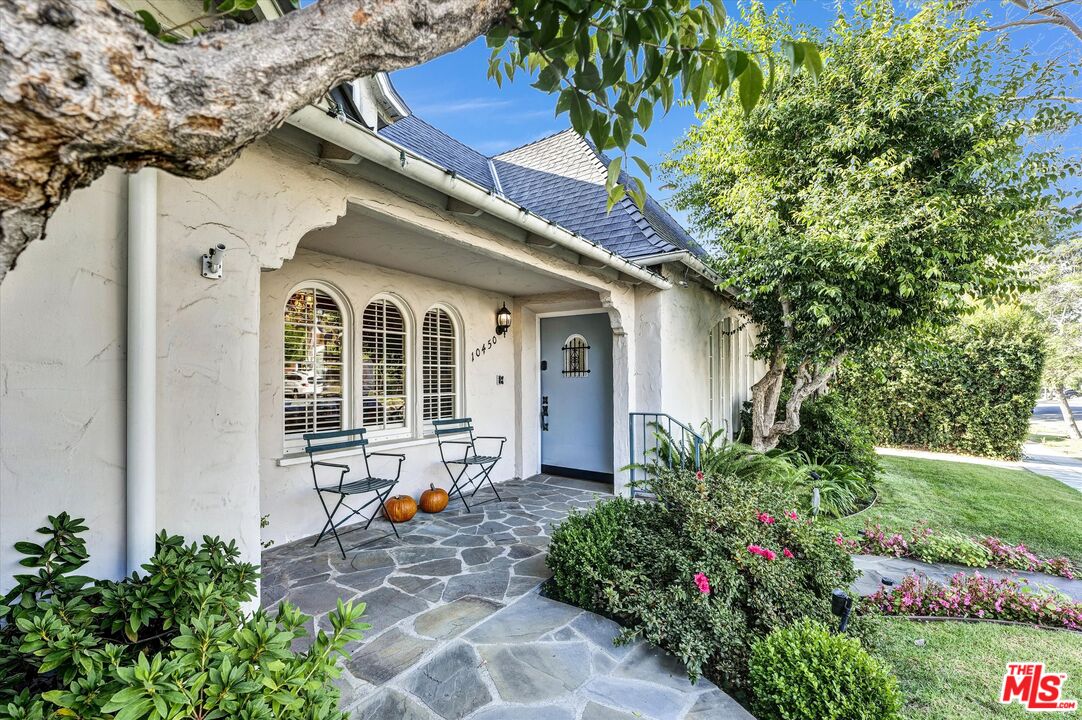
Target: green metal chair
{"x": 332, "y": 440}
{"x": 459, "y": 431}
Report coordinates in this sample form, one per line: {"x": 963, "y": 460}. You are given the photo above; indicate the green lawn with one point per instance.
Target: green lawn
{"x": 957, "y": 673}
{"x": 1015, "y": 505}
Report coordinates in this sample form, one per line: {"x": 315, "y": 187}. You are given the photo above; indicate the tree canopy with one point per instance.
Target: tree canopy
{"x": 915, "y": 176}
{"x": 86, "y": 85}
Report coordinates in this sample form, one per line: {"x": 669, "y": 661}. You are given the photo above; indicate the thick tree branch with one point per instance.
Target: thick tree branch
{"x": 1047, "y": 13}
{"x": 83, "y": 87}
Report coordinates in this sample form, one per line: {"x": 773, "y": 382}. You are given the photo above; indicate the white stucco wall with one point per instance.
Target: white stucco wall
{"x": 62, "y": 343}
{"x": 286, "y": 492}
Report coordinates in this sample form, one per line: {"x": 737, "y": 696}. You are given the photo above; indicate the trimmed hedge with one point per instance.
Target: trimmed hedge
{"x": 803, "y": 672}
{"x": 971, "y": 391}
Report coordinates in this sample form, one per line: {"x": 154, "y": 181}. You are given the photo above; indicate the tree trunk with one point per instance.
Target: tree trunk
{"x": 83, "y": 86}
{"x": 766, "y": 430}
{"x": 1068, "y": 415}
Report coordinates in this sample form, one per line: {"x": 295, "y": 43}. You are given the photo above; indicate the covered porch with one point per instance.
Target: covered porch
{"x": 460, "y": 630}
{"x": 386, "y": 320}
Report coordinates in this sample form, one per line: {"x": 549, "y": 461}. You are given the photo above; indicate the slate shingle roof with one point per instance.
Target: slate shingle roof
{"x": 436, "y": 145}
{"x": 560, "y": 178}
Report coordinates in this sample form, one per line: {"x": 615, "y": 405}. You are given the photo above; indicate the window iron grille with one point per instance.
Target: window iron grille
{"x": 576, "y": 357}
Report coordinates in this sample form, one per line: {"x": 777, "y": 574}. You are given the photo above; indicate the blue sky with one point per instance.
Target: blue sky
{"x": 452, "y": 92}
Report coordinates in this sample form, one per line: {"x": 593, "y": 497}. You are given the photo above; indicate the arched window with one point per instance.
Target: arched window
{"x": 315, "y": 352}
{"x": 576, "y": 356}
{"x": 439, "y": 366}
{"x": 384, "y": 366}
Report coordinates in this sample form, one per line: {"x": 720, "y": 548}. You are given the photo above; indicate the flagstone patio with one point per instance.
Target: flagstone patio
{"x": 459, "y": 630}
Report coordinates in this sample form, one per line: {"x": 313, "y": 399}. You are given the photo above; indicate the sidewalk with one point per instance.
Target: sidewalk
{"x": 1036, "y": 458}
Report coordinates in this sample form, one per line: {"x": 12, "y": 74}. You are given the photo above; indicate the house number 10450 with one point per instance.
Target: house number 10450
{"x": 482, "y": 349}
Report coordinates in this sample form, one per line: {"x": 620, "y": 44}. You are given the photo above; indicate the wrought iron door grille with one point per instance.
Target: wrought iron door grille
{"x": 576, "y": 357}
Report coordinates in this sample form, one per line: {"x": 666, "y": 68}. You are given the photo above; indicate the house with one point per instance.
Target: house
{"x": 166, "y": 346}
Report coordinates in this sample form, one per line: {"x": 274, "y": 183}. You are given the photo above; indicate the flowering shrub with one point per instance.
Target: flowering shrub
{"x": 976, "y": 596}
{"x": 804, "y": 672}
{"x": 702, "y": 572}
{"x": 924, "y": 544}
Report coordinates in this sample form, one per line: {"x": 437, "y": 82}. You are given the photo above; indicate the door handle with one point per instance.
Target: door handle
{"x": 544, "y": 413}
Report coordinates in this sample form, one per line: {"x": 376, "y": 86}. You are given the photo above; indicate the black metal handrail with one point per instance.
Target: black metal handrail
{"x": 679, "y": 444}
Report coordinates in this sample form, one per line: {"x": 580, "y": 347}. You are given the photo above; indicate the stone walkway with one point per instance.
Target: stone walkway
{"x": 460, "y": 632}
{"x": 874, "y": 568}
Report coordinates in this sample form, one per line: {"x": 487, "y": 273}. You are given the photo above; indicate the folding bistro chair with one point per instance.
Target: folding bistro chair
{"x": 331, "y": 440}
{"x": 455, "y": 432}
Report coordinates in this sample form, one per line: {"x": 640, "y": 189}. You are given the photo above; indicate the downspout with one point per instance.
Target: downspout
{"x": 141, "y": 475}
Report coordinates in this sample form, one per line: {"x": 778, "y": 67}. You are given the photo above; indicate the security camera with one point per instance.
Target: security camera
{"x": 212, "y": 262}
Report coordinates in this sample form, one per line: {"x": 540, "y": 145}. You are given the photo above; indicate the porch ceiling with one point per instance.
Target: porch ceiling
{"x": 399, "y": 246}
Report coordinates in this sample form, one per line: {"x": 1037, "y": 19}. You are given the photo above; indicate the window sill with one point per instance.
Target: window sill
{"x": 374, "y": 446}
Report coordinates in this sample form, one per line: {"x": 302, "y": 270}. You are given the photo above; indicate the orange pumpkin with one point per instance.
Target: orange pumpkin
{"x": 400, "y": 508}
{"x": 434, "y": 499}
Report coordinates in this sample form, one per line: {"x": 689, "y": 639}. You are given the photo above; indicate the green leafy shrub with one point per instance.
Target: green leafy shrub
{"x": 952, "y": 548}
{"x": 581, "y": 551}
{"x": 173, "y": 643}
{"x": 842, "y": 489}
{"x": 970, "y": 390}
{"x": 716, "y": 562}
{"x": 803, "y": 672}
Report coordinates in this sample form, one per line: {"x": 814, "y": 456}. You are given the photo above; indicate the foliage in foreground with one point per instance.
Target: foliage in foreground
{"x": 830, "y": 434}
{"x": 882, "y": 199}
{"x": 970, "y": 389}
{"x": 173, "y": 643}
{"x": 804, "y": 672}
{"x": 844, "y": 489}
{"x": 977, "y": 596}
{"x": 925, "y": 544}
{"x": 717, "y": 562}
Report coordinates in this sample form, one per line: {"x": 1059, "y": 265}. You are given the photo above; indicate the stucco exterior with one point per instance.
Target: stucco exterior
{"x": 221, "y": 464}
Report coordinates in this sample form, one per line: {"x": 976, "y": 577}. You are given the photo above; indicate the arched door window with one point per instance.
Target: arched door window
{"x": 576, "y": 357}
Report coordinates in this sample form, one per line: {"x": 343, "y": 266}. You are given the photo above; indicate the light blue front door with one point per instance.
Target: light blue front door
{"x": 576, "y": 396}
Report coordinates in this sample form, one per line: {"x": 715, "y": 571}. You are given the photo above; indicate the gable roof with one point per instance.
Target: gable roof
{"x": 560, "y": 178}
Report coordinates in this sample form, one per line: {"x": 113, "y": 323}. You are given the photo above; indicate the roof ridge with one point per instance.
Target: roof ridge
{"x": 539, "y": 140}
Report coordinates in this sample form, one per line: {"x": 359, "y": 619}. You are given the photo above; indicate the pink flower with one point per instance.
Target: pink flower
{"x": 702, "y": 583}
{"x": 787, "y": 553}
{"x": 766, "y": 518}
{"x": 770, "y": 554}
{"x": 791, "y": 515}
{"x": 699, "y": 475}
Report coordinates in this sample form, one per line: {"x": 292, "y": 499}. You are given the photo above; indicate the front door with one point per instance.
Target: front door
{"x": 576, "y": 396}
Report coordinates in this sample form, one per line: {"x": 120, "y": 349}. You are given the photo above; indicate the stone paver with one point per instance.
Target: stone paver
{"x": 873, "y": 568}
{"x": 460, "y": 632}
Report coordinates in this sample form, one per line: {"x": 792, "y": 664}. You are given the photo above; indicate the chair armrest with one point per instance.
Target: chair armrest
{"x": 455, "y": 442}
{"x": 399, "y": 456}
{"x": 324, "y": 463}
{"x": 491, "y": 437}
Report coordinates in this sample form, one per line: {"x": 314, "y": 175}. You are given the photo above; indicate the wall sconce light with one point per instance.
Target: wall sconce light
{"x": 503, "y": 320}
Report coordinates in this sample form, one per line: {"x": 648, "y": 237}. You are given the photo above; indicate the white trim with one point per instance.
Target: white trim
{"x": 302, "y": 458}
{"x": 537, "y": 397}
{"x": 355, "y": 137}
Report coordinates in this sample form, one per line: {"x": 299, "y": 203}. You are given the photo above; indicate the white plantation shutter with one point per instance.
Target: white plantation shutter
{"x": 315, "y": 335}
{"x": 439, "y": 367}
{"x": 383, "y": 366}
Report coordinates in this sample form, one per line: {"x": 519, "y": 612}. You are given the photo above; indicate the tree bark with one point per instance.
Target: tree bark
{"x": 83, "y": 86}
{"x": 1068, "y": 415}
{"x": 767, "y": 430}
